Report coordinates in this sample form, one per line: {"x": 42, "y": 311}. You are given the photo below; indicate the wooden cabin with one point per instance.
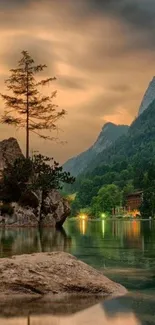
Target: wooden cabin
{"x": 134, "y": 200}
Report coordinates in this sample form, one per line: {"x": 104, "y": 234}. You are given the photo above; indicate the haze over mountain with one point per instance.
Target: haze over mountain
{"x": 109, "y": 134}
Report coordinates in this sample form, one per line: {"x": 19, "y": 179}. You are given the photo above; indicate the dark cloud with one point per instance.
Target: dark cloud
{"x": 14, "y": 4}
{"x": 139, "y": 13}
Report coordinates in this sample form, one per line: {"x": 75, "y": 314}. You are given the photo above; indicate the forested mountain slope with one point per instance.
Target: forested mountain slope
{"x": 138, "y": 143}
{"x": 109, "y": 134}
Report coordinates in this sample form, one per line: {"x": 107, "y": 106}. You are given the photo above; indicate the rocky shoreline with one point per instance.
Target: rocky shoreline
{"x": 50, "y": 212}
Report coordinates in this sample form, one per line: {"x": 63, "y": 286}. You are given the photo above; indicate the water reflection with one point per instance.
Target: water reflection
{"x": 23, "y": 241}
{"x": 107, "y": 242}
{"x": 110, "y": 312}
{"x": 112, "y": 246}
{"x": 83, "y": 226}
{"x": 99, "y": 243}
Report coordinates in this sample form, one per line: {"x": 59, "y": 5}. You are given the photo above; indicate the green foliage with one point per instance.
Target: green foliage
{"x": 108, "y": 197}
{"x": 86, "y": 192}
{"x": 86, "y": 211}
{"x": 47, "y": 176}
{"x": 75, "y": 206}
{"x": 6, "y": 209}
{"x": 36, "y": 173}
{"x": 128, "y": 189}
{"x": 126, "y": 164}
{"x": 15, "y": 180}
{"x": 148, "y": 204}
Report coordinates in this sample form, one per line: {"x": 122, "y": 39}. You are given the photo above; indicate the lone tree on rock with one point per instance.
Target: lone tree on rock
{"x": 27, "y": 107}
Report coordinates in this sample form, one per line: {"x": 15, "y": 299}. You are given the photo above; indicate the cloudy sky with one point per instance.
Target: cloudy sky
{"x": 101, "y": 51}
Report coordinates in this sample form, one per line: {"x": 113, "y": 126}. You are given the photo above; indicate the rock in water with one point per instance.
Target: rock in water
{"x": 53, "y": 273}
{"x": 55, "y": 208}
{"x": 31, "y": 211}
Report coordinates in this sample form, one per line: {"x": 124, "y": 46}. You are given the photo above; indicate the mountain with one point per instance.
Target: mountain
{"x": 109, "y": 134}
{"x": 148, "y": 98}
{"x": 136, "y": 145}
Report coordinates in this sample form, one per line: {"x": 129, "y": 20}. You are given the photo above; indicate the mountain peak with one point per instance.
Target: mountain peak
{"x": 109, "y": 134}
{"x": 107, "y": 125}
{"x": 149, "y": 96}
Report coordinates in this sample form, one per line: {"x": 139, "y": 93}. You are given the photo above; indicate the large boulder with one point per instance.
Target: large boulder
{"x": 21, "y": 217}
{"x": 54, "y": 209}
{"x": 53, "y": 273}
{"x": 34, "y": 211}
{"x": 9, "y": 151}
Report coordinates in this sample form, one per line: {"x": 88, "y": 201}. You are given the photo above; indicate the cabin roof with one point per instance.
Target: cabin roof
{"x": 135, "y": 194}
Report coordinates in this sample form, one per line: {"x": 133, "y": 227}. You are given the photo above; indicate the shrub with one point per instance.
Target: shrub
{"x": 36, "y": 173}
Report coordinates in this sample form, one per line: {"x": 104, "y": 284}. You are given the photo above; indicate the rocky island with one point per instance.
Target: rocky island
{"x": 34, "y": 208}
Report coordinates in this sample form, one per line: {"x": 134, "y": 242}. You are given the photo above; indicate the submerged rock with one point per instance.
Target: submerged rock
{"x": 53, "y": 273}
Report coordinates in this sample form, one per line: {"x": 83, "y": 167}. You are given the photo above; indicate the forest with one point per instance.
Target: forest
{"x": 127, "y": 166}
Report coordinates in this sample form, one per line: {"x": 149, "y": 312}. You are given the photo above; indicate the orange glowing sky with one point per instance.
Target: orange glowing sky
{"x": 102, "y": 53}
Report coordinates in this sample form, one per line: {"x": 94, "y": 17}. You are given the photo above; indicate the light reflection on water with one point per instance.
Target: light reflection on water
{"x": 110, "y": 312}
{"x": 103, "y": 244}
{"x": 123, "y": 250}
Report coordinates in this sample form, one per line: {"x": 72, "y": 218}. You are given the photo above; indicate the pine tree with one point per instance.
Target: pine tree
{"x": 27, "y": 107}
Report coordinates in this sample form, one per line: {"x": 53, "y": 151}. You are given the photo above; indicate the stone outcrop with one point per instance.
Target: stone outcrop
{"x": 53, "y": 273}
{"x": 54, "y": 208}
{"x": 9, "y": 151}
{"x": 35, "y": 211}
{"x": 32, "y": 210}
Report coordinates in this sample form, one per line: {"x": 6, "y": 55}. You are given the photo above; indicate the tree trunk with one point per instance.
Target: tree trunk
{"x": 27, "y": 136}
{"x": 27, "y": 115}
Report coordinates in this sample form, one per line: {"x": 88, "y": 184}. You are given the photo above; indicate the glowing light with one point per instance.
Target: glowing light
{"x": 103, "y": 215}
{"x": 83, "y": 216}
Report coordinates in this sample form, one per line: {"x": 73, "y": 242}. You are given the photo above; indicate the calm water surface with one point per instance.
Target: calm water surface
{"x": 123, "y": 250}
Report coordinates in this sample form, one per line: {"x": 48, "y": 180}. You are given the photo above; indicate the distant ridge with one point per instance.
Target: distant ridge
{"x": 109, "y": 134}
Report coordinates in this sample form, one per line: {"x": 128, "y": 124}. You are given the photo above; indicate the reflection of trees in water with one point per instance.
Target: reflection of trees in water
{"x": 148, "y": 233}
{"x": 30, "y": 240}
{"x": 53, "y": 239}
{"x": 6, "y": 241}
{"x": 112, "y": 243}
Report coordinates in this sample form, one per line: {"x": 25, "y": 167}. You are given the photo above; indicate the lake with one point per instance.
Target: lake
{"x": 123, "y": 250}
